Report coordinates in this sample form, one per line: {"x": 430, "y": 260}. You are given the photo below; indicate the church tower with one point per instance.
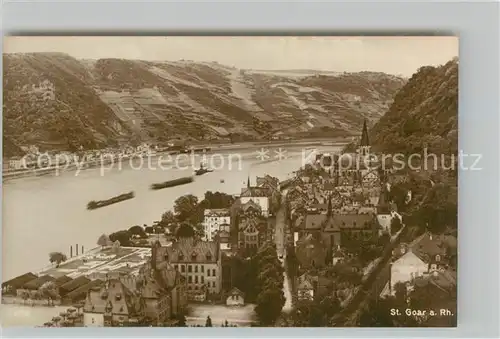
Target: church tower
{"x": 364, "y": 145}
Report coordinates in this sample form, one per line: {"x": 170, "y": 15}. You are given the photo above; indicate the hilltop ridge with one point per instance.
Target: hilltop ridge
{"x": 56, "y": 101}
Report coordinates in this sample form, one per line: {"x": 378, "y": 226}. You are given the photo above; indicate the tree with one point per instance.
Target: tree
{"x": 137, "y": 230}
{"x": 269, "y": 305}
{"x": 208, "y": 323}
{"x": 185, "y": 231}
{"x": 217, "y": 200}
{"x": 270, "y": 299}
{"x": 186, "y": 207}
{"x": 395, "y": 225}
{"x": 168, "y": 220}
{"x": 103, "y": 240}
{"x": 49, "y": 290}
{"x": 122, "y": 236}
{"x": 57, "y": 257}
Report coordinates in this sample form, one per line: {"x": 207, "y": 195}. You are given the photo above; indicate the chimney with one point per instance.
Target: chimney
{"x": 71, "y": 251}
{"x": 76, "y": 247}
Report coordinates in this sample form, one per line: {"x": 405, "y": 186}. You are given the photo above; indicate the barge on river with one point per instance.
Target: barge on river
{"x": 172, "y": 183}
{"x": 92, "y": 205}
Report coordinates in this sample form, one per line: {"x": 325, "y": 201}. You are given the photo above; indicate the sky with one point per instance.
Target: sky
{"x": 393, "y": 55}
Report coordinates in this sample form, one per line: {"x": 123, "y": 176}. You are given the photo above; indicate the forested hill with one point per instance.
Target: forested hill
{"x": 424, "y": 114}
{"x": 55, "y": 101}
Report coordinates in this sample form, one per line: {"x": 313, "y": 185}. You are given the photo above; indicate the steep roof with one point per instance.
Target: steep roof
{"x": 313, "y": 221}
{"x": 36, "y": 283}
{"x": 429, "y": 245}
{"x": 112, "y": 294}
{"x": 190, "y": 250}
{"x": 236, "y": 291}
{"x": 353, "y": 221}
{"x": 19, "y": 281}
{"x": 73, "y": 284}
{"x": 217, "y": 212}
{"x": 62, "y": 280}
{"x": 255, "y": 192}
{"x": 80, "y": 292}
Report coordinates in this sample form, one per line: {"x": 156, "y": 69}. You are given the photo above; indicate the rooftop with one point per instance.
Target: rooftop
{"x": 99, "y": 262}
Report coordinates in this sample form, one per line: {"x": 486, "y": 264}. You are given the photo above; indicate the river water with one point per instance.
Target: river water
{"x": 48, "y": 213}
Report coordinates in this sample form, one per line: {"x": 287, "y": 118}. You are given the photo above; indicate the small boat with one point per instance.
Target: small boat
{"x": 202, "y": 170}
{"x": 222, "y": 181}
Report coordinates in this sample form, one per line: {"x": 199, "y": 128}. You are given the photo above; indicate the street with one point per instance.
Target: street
{"x": 279, "y": 240}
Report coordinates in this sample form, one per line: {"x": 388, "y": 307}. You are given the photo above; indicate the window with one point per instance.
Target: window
{"x": 196, "y": 269}
{"x": 190, "y": 269}
{"x": 208, "y": 272}
{"x": 213, "y": 272}
{"x": 202, "y": 268}
{"x": 202, "y": 279}
{"x": 190, "y": 279}
{"x": 213, "y": 283}
{"x": 183, "y": 268}
{"x": 438, "y": 257}
{"x": 176, "y": 267}
{"x": 195, "y": 279}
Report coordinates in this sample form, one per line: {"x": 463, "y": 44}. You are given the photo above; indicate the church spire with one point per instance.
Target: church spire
{"x": 248, "y": 182}
{"x": 364, "y": 136}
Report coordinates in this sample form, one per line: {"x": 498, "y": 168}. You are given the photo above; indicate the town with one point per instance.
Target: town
{"x": 335, "y": 245}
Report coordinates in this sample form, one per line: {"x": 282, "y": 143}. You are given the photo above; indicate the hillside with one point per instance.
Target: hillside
{"x": 56, "y": 101}
{"x": 424, "y": 114}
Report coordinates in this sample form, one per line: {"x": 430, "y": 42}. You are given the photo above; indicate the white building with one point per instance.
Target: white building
{"x": 405, "y": 269}
{"x": 214, "y": 219}
{"x": 235, "y": 298}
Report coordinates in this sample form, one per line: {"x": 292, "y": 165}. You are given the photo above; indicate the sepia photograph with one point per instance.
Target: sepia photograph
{"x": 230, "y": 181}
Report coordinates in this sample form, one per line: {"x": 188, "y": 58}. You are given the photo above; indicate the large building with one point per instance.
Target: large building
{"x": 155, "y": 296}
{"x": 213, "y": 221}
{"x": 198, "y": 261}
{"x": 112, "y": 305}
{"x": 259, "y": 195}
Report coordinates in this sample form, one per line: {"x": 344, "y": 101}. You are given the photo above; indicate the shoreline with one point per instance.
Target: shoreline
{"x": 28, "y": 173}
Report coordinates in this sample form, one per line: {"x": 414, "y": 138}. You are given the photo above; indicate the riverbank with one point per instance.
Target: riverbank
{"x": 214, "y": 147}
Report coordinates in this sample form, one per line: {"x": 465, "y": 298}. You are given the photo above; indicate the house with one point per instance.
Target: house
{"x": 251, "y": 231}
{"x": 360, "y": 226}
{"x": 258, "y": 195}
{"x": 311, "y": 251}
{"x": 269, "y": 182}
{"x": 224, "y": 240}
{"x": 159, "y": 287}
{"x": 329, "y": 188}
{"x": 197, "y": 261}
{"x": 306, "y": 287}
{"x": 10, "y": 287}
{"x": 249, "y": 225}
{"x": 33, "y": 285}
{"x": 371, "y": 178}
{"x": 235, "y": 298}
{"x": 213, "y": 219}
{"x": 426, "y": 254}
{"x": 338, "y": 256}
{"x": 111, "y": 305}
{"x": 385, "y": 221}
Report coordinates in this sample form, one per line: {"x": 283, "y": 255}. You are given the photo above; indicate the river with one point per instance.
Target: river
{"x": 48, "y": 213}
